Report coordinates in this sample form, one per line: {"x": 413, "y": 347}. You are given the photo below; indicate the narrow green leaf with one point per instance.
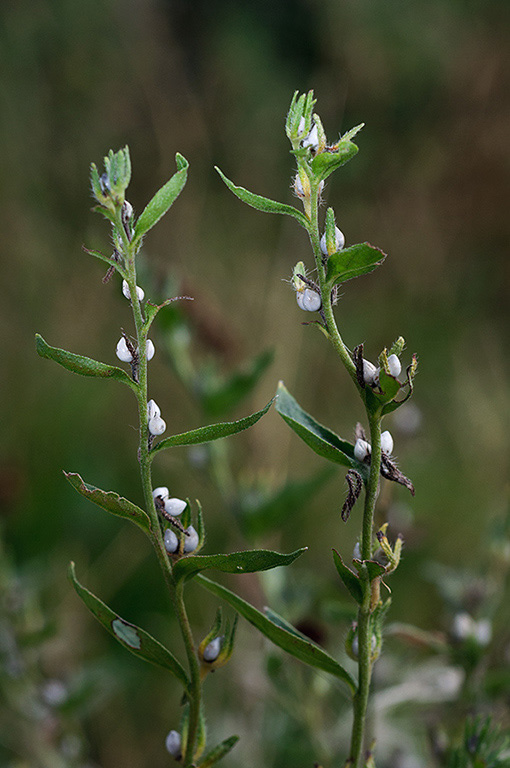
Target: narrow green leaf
{"x": 354, "y": 261}
{"x": 264, "y": 203}
{"x": 211, "y": 432}
{"x": 111, "y": 501}
{"x": 106, "y": 212}
{"x": 135, "y": 639}
{"x": 218, "y": 752}
{"x": 349, "y": 578}
{"x": 301, "y": 649}
{"x": 218, "y": 399}
{"x": 162, "y": 200}
{"x": 85, "y": 366}
{"x": 284, "y": 624}
{"x": 324, "y": 442}
{"x": 237, "y": 562}
{"x": 107, "y": 259}
{"x": 325, "y": 163}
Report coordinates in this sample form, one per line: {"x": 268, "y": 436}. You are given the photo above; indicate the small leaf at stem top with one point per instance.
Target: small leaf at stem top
{"x": 162, "y": 200}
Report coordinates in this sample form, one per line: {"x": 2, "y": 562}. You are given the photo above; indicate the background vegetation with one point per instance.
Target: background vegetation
{"x": 430, "y": 78}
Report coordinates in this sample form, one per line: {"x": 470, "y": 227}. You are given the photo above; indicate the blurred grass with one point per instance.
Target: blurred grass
{"x": 213, "y": 81}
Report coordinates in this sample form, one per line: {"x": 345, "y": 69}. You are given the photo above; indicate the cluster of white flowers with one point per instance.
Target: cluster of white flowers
{"x": 155, "y": 423}
{"x": 362, "y": 448}
{"x": 371, "y": 372}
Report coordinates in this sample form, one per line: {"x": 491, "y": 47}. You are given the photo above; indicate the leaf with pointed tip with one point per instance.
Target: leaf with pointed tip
{"x": 388, "y": 388}
{"x": 349, "y": 578}
{"x": 354, "y": 261}
{"x": 237, "y": 562}
{"x": 301, "y": 649}
{"x": 135, "y": 639}
{"x": 151, "y": 310}
{"x": 162, "y": 200}
{"x": 374, "y": 569}
{"x": 218, "y": 752}
{"x": 264, "y": 203}
{"x": 324, "y": 442}
{"x": 107, "y": 259}
{"x": 325, "y": 163}
{"x": 85, "y": 366}
{"x": 211, "y": 432}
{"x": 111, "y": 501}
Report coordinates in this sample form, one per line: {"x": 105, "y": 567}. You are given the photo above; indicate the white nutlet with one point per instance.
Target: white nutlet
{"x": 394, "y": 365}
{"x": 175, "y": 507}
{"x": 308, "y": 300}
{"x": 150, "y": 349}
{"x": 339, "y": 241}
{"x": 370, "y": 373}
{"x": 123, "y": 352}
{"x": 298, "y": 186}
{"x": 191, "y": 540}
{"x": 312, "y": 140}
{"x": 212, "y": 650}
{"x": 386, "y": 442}
{"x": 160, "y": 491}
{"x": 153, "y": 409}
{"x": 140, "y": 293}
{"x": 157, "y": 426}
{"x": 171, "y": 541}
{"x": 173, "y": 744}
{"x": 361, "y": 449}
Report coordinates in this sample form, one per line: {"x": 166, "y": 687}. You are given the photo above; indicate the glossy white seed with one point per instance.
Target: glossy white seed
{"x": 339, "y": 240}
{"x": 298, "y": 186}
{"x": 370, "y": 372}
{"x": 150, "y": 349}
{"x": 356, "y": 555}
{"x": 212, "y": 649}
{"x": 139, "y": 291}
{"x": 386, "y": 442}
{"x": 301, "y": 127}
{"x": 171, "y": 541}
{"x": 355, "y": 645}
{"x": 191, "y": 541}
{"x": 173, "y": 743}
{"x": 153, "y": 409}
{"x": 160, "y": 491}
{"x": 394, "y": 365}
{"x": 309, "y": 300}
{"x": 174, "y": 506}
{"x": 123, "y": 352}
{"x": 312, "y": 140}
{"x": 361, "y": 449}
{"x": 157, "y": 425}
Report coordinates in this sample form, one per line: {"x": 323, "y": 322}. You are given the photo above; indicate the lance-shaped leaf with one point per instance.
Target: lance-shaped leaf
{"x": 236, "y": 562}
{"x": 135, "y": 639}
{"x": 352, "y": 262}
{"x": 111, "y": 501}
{"x": 264, "y": 203}
{"x": 211, "y": 432}
{"x": 324, "y": 442}
{"x": 300, "y": 648}
{"x": 324, "y": 163}
{"x": 85, "y": 366}
{"x": 218, "y": 752}
{"x": 162, "y": 200}
{"x": 107, "y": 259}
{"x": 349, "y": 578}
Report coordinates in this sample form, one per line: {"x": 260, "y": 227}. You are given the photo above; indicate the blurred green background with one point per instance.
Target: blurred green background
{"x": 430, "y": 186}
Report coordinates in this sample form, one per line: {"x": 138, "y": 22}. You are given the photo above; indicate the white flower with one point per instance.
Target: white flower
{"x": 153, "y": 410}
{"x": 312, "y": 140}
{"x": 339, "y": 241}
{"x": 160, "y": 491}
{"x": 171, "y": 541}
{"x": 386, "y": 442}
{"x": 173, "y": 744}
{"x": 150, "y": 349}
{"x": 212, "y": 649}
{"x": 174, "y": 506}
{"x": 394, "y": 365}
{"x": 361, "y": 449}
{"x": 123, "y": 352}
{"x": 370, "y": 372}
{"x": 190, "y": 541}
{"x": 139, "y": 291}
{"x": 157, "y": 425}
{"x": 308, "y": 300}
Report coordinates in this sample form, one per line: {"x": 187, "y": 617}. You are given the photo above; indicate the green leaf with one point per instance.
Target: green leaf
{"x": 325, "y": 163}
{"x": 284, "y": 624}
{"x": 349, "y": 578}
{"x": 374, "y": 569}
{"x": 301, "y": 649}
{"x": 151, "y": 310}
{"x": 388, "y": 387}
{"x": 218, "y": 399}
{"x": 218, "y": 752}
{"x": 107, "y": 259}
{"x": 352, "y": 262}
{"x": 211, "y": 432}
{"x": 162, "y": 200}
{"x": 324, "y": 442}
{"x": 136, "y": 640}
{"x": 85, "y": 366}
{"x": 237, "y": 562}
{"x": 263, "y": 203}
{"x": 111, "y": 501}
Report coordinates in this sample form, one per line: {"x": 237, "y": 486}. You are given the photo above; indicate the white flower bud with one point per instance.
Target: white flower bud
{"x": 361, "y": 449}
{"x": 157, "y": 425}
{"x": 175, "y": 507}
{"x": 339, "y": 241}
{"x": 139, "y": 291}
{"x": 152, "y": 409}
{"x": 212, "y": 649}
{"x": 394, "y": 365}
{"x": 160, "y": 491}
{"x": 171, "y": 541}
{"x": 123, "y": 352}
{"x": 312, "y": 140}
{"x": 370, "y": 372}
{"x": 309, "y": 300}
{"x": 173, "y": 744}
{"x": 386, "y": 442}
{"x": 191, "y": 541}
{"x": 150, "y": 349}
